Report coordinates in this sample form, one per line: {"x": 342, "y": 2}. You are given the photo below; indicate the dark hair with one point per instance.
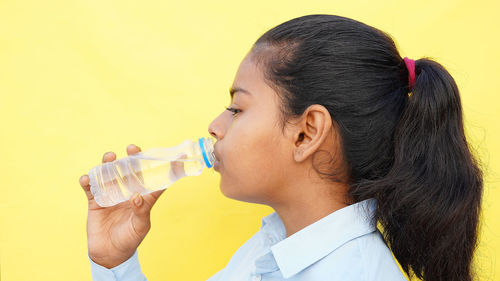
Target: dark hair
{"x": 408, "y": 151}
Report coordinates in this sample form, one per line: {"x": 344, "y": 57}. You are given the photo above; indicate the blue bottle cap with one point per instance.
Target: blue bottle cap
{"x": 204, "y": 153}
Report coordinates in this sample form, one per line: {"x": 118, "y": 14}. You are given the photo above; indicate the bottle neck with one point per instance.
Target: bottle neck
{"x": 207, "y": 151}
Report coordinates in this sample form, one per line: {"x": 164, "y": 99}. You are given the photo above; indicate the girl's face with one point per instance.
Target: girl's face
{"x": 253, "y": 154}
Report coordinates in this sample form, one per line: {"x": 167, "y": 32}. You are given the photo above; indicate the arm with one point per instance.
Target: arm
{"x": 130, "y": 270}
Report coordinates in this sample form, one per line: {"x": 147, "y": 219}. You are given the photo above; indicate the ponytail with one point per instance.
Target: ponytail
{"x": 429, "y": 202}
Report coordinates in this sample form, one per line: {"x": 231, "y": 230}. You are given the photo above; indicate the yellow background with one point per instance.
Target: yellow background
{"x": 82, "y": 77}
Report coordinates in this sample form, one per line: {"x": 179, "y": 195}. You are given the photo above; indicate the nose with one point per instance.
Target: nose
{"x": 216, "y": 128}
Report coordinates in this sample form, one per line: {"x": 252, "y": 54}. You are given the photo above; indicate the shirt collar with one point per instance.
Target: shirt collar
{"x": 310, "y": 244}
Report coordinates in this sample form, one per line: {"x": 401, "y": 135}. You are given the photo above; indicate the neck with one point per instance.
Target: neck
{"x": 308, "y": 203}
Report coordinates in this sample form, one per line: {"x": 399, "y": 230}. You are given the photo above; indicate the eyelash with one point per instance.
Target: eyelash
{"x": 233, "y": 110}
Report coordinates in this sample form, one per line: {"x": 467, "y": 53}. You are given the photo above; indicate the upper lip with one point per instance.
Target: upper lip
{"x": 216, "y": 154}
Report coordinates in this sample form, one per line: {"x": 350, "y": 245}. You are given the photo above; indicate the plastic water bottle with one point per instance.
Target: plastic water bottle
{"x": 148, "y": 171}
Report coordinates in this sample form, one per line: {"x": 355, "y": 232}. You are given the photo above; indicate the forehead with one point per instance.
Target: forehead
{"x": 249, "y": 81}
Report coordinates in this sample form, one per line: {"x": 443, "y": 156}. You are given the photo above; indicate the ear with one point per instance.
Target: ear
{"x": 313, "y": 129}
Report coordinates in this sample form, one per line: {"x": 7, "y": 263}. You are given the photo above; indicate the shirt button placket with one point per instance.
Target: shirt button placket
{"x": 257, "y": 277}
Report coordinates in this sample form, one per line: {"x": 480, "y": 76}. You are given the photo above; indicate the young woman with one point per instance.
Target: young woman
{"x": 334, "y": 130}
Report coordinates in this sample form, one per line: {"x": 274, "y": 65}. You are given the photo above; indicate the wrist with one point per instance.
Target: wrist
{"x": 110, "y": 262}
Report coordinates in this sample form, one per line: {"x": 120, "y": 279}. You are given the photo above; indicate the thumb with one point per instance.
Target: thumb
{"x": 139, "y": 206}
{"x": 140, "y": 220}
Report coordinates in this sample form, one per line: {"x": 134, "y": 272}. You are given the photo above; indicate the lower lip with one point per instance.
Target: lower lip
{"x": 216, "y": 165}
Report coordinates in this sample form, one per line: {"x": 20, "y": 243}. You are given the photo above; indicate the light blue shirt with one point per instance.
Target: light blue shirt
{"x": 345, "y": 245}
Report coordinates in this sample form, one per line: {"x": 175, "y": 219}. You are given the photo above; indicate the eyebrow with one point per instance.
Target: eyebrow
{"x": 233, "y": 90}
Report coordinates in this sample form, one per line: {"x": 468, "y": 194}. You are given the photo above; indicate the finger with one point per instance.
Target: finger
{"x": 133, "y": 149}
{"x": 85, "y": 184}
{"x": 108, "y": 176}
{"x": 152, "y": 197}
{"x": 132, "y": 171}
{"x": 145, "y": 202}
{"x": 108, "y": 157}
{"x": 177, "y": 168}
{"x": 141, "y": 218}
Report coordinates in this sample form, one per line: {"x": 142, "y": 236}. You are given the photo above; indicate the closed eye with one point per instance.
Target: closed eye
{"x": 233, "y": 110}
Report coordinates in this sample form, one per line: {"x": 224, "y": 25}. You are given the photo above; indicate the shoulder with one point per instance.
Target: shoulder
{"x": 377, "y": 258}
{"x": 365, "y": 258}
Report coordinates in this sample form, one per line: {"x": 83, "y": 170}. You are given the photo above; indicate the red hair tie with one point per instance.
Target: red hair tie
{"x": 410, "y": 64}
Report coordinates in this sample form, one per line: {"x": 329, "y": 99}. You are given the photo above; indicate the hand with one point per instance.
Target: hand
{"x": 114, "y": 233}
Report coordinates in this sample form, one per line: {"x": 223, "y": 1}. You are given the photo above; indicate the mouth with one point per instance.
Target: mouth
{"x": 216, "y": 165}
{"x": 217, "y": 161}
{"x": 215, "y": 153}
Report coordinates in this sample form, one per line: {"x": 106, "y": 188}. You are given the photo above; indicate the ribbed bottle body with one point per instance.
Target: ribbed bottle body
{"x": 148, "y": 171}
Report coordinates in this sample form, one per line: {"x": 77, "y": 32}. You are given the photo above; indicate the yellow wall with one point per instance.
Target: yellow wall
{"x": 82, "y": 77}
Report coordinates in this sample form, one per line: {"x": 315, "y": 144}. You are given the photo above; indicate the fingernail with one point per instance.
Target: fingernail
{"x": 138, "y": 200}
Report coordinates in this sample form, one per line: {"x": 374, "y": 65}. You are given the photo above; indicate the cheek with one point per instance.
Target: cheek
{"x": 252, "y": 165}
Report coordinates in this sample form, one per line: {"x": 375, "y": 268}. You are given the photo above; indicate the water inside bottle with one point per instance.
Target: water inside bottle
{"x": 120, "y": 179}
{"x": 148, "y": 171}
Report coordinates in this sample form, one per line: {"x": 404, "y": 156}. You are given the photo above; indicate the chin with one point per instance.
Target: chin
{"x": 229, "y": 190}
{"x": 234, "y": 191}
